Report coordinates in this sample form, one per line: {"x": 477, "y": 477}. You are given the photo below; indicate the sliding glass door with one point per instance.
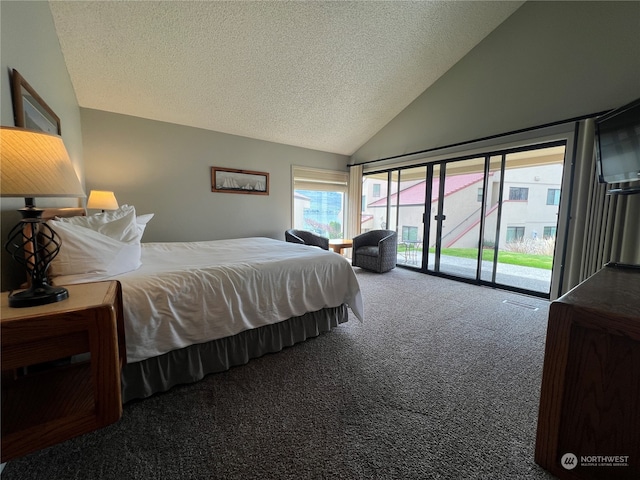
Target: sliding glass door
{"x": 527, "y": 230}
{"x": 489, "y": 219}
{"x": 458, "y": 189}
{"x": 411, "y": 207}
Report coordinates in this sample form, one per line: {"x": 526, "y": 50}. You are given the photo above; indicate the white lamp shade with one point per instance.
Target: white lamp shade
{"x": 102, "y": 200}
{"x": 35, "y": 164}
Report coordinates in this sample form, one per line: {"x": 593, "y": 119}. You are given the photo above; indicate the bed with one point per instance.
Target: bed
{"x": 194, "y": 308}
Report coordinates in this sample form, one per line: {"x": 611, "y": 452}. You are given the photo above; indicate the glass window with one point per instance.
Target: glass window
{"x": 518, "y": 193}
{"x": 409, "y": 234}
{"x": 376, "y": 190}
{"x": 515, "y": 234}
{"x": 549, "y": 232}
{"x": 322, "y": 212}
{"x": 553, "y": 196}
{"x": 319, "y": 201}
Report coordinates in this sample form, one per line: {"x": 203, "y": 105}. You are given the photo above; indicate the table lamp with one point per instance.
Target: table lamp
{"x": 35, "y": 164}
{"x": 102, "y": 200}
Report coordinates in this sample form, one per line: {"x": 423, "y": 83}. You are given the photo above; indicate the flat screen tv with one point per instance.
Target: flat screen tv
{"x": 618, "y": 146}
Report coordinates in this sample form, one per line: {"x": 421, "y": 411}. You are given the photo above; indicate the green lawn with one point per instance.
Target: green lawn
{"x": 513, "y": 258}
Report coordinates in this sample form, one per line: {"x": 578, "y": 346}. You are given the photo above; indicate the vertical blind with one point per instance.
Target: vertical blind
{"x": 603, "y": 228}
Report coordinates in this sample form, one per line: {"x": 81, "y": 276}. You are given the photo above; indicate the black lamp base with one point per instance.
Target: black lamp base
{"x": 34, "y": 244}
{"x": 40, "y": 295}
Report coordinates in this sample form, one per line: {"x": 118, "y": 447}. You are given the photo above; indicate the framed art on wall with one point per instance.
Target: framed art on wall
{"x": 230, "y": 180}
{"x": 29, "y": 109}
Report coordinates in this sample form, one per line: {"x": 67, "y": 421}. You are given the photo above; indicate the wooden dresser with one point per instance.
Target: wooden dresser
{"x": 589, "y": 418}
{"x": 61, "y": 366}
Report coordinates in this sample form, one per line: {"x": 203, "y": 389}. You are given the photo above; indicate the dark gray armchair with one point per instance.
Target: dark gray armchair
{"x": 376, "y": 250}
{"x": 306, "y": 238}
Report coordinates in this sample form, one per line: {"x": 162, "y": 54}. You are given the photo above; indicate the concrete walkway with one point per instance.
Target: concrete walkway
{"x": 529, "y": 278}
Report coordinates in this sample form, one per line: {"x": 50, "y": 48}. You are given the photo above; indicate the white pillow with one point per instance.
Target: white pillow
{"x": 96, "y": 220}
{"x": 105, "y": 247}
{"x": 141, "y": 221}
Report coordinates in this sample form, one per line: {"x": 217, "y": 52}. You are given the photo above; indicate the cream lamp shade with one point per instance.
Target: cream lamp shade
{"x": 102, "y": 200}
{"x": 35, "y": 164}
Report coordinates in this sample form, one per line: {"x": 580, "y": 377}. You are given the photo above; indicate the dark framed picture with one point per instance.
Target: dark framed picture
{"x": 230, "y": 180}
{"x": 29, "y": 109}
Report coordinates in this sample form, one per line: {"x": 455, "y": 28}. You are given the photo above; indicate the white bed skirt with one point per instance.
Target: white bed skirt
{"x": 192, "y": 363}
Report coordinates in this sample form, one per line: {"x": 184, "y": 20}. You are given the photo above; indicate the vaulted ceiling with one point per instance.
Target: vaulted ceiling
{"x": 325, "y": 75}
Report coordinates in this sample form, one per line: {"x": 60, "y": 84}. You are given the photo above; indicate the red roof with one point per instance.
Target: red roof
{"x": 415, "y": 195}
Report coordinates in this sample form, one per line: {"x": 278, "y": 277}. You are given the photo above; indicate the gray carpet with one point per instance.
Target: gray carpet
{"x": 441, "y": 381}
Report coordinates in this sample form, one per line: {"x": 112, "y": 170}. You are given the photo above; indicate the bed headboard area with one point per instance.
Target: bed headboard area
{"x": 50, "y": 213}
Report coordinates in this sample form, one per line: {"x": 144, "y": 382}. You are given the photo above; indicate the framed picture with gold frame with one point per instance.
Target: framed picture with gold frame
{"x": 230, "y": 180}
{"x": 29, "y": 109}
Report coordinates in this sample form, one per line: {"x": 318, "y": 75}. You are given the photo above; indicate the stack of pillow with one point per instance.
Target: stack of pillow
{"x": 99, "y": 246}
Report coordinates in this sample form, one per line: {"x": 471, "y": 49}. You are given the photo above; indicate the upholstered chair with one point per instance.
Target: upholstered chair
{"x": 306, "y": 238}
{"x": 376, "y": 250}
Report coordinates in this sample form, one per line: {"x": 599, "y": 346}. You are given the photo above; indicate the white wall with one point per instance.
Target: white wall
{"x": 28, "y": 43}
{"x": 165, "y": 169}
{"x": 549, "y": 61}
{"x": 157, "y": 167}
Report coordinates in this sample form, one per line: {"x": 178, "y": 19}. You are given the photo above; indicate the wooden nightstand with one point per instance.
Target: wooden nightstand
{"x": 50, "y": 403}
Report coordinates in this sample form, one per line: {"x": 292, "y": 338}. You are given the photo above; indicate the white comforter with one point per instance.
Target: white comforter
{"x": 186, "y": 293}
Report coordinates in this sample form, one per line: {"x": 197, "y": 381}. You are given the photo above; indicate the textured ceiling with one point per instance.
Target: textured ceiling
{"x": 315, "y": 74}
